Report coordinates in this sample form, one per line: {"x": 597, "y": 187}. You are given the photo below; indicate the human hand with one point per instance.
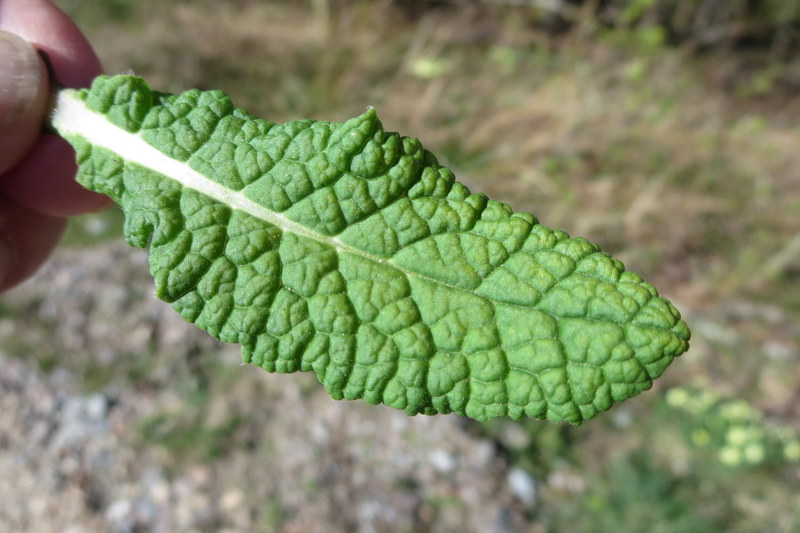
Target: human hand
{"x": 37, "y": 186}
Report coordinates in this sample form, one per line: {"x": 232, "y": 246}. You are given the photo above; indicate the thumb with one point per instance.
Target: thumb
{"x": 23, "y": 98}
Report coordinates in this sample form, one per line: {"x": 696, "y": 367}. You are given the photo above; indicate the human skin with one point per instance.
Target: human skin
{"x": 37, "y": 187}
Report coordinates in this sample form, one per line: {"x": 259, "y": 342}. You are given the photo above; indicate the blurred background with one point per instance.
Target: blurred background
{"x": 666, "y": 131}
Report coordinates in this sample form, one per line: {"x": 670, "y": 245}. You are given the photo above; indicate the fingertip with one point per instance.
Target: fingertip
{"x": 23, "y": 98}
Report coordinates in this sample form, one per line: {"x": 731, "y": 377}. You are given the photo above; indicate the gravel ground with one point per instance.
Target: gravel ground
{"x": 117, "y": 416}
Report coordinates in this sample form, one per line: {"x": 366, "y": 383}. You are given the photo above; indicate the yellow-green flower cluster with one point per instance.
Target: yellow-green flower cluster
{"x": 743, "y": 445}
{"x": 738, "y": 430}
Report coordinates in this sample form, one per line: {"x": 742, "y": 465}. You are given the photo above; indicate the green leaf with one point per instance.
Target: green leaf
{"x": 348, "y": 251}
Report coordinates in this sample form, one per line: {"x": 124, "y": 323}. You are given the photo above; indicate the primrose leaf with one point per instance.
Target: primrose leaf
{"x": 348, "y": 251}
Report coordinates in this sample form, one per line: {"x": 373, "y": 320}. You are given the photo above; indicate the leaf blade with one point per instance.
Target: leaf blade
{"x": 341, "y": 249}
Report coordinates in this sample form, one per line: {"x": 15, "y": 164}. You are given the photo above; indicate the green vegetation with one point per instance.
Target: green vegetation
{"x": 677, "y": 146}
